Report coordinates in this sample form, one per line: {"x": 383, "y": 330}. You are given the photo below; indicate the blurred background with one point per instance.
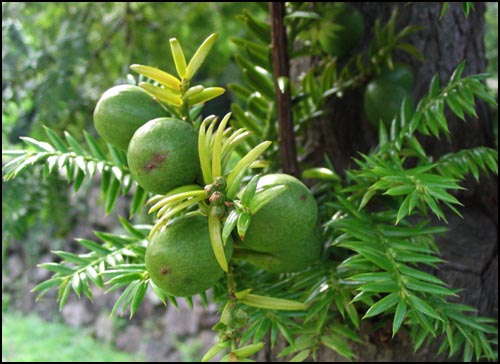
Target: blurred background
{"x": 57, "y": 60}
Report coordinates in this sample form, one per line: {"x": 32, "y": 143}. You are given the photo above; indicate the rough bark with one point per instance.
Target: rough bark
{"x": 471, "y": 246}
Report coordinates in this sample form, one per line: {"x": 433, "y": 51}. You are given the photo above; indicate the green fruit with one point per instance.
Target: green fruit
{"x": 180, "y": 259}
{"x": 341, "y": 30}
{"x": 303, "y": 251}
{"x": 382, "y": 101}
{"x": 163, "y": 155}
{"x": 121, "y": 110}
{"x": 275, "y": 226}
{"x": 400, "y": 75}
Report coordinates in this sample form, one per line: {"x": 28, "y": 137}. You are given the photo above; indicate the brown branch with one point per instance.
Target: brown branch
{"x": 281, "y": 69}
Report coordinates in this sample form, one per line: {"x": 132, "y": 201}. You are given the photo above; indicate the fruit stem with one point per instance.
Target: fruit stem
{"x": 231, "y": 283}
{"x": 185, "y": 105}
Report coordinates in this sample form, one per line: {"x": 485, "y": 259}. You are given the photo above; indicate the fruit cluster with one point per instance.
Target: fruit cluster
{"x": 205, "y": 219}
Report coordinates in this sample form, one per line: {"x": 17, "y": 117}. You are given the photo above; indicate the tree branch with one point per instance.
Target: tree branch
{"x": 281, "y": 70}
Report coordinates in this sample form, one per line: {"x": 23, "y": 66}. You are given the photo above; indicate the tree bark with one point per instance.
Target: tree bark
{"x": 471, "y": 246}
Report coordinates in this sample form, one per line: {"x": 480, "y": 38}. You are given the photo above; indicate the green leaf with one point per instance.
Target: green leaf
{"x": 74, "y": 144}
{"x": 406, "y": 256}
{"x": 263, "y": 197}
{"x": 455, "y": 106}
{"x": 457, "y": 73}
{"x": 260, "y": 80}
{"x": 381, "y": 286}
{"x": 207, "y": 94}
{"x": 57, "y": 268}
{"x": 115, "y": 240}
{"x": 367, "y": 197}
{"x": 242, "y": 165}
{"x": 214, "y": 228}
{"x": 94, "y": 276}
{"x": 45, "y": 285}
{"x": 303, "y": 15}
{"x": 72, "y": 258}
{"x": 431, "y": 202}
{"x": 76, "y": 284}
{"x": 63, "y": 294}
{"x": 300, "y": 357}
{"x": 164, "y": 78}
{"x": 229, "y": 225}
{"x": 39, "y": 146}
{"x": 178, "y": 56}
{"x": 119, "y": 156}
{"x": 138, "y": 200}
{"x": 423, "y": 307}
{"x": 94, "y": 147}
{"x": 200, "y": 55}
{"x": 248, "y": 350}
{"x": 204, "y": 151}
{"x": 259, "y": 29}
{"x": 371, "y": 277}
{"x": 80, "y": 177}
{"x": 375, "y": 256}
{"x": 412, "y": 50}
{"x": 240, "y": 91}
{"x": 286, "y": 332}
{"x": 112, "y": 195}
{"x": 399, "y": 316}
{"x": 131, "y": 229}
{"x": 249, "y": 190}
{"x": 246, "y": 120}
{"x": 93, "y": 246}
{"x": 124, "y": 278}
{"x": 404, "y": 209}
{"x": 56, "y": 140}
{"x": 214, "y": 350}
{"x": 125, "y": 297}
{"x": 244, "y": 220}
{"x": 443, "y": 195}
{"x": 162, "y": 94}
{"x": 338, "y": 345}
{"x": 409, "y": 29}
{"x": 471, "y": 322}
{"x": 444, "y": 8}
{"x": 138, "y": 297}
{"x": 433, "y": 289}
{"x": 272, "y": 303}
{"x": 321, "y": 173}
{"x": 217, "y": 147}
{"x": 418, "y": 274}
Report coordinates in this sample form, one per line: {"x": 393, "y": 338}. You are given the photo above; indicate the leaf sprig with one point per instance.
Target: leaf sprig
{"x": 176, "y": 91}
{"x": 76, "y": 162}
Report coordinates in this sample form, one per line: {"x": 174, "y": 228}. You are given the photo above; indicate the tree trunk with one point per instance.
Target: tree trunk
{"x": 471, "y": 246}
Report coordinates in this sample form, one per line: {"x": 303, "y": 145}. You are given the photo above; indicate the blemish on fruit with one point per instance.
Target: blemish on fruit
{"x": 164, "y": 270}
{"x": 303, "y": 198}
{"x": 154, "y": 162}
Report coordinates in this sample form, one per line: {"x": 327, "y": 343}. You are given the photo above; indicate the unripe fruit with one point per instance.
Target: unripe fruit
{"x": 121, "y": 110}
{"x": 337, "y": 41}
{"x": 382, "y": 101}
{"x": 163, "y": 155}
{"x": 180, "y": 259}
{"x": 290, "y": 214}
{"x": 303, "y": 251}
{"x": 400, "y": 75}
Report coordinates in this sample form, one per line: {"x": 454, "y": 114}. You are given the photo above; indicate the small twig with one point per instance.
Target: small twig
{"x": 281, "y": 70}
